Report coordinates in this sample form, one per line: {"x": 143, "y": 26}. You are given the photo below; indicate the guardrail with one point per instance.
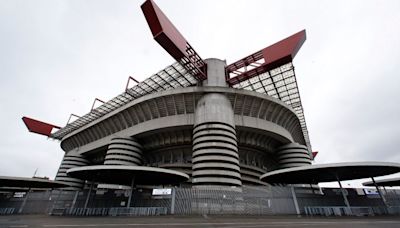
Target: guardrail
{"x": 7, "y": 211}
{"x": 87, "y": 211}
{"x": 340, "y": 211}
{"x": 135, "y": 211}
{"x": 353, "y": 211}
{"x": 394, "y": 210}
{"x": 113, "y": 211}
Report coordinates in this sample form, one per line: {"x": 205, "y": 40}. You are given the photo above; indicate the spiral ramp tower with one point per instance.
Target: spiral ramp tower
{"x": 293, "y": 155}
{"x": 215, "y": 155}
{"x": 71, "y": 160}
{"x": 124, "y": 151}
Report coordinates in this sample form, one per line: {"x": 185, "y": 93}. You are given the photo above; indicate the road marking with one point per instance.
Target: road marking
{"x": 18, "y": 226}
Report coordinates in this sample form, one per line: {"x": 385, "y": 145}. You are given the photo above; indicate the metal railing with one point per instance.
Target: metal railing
{"x": 137, "y": 211}
{"x": 340, "y": 211}
{"x": 394, "y": 210}
{"x": 7, "y": 211}
{"x": 114, "y": 211}
{"x": 353, "y": 211}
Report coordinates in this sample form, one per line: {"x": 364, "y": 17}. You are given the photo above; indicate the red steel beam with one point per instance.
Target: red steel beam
{"x": 129, "y": 80}
{"x": 38, "y": 127}
{"x": 270, "y": 57}
{"x": 314, "y": 154}
{"x": 94, "y": 102}
{"x": 166, "y": 34}
{"x": 70, "y": 116}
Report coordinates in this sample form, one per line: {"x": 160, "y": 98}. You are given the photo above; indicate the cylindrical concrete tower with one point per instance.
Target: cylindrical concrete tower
{"x": 293, "y": 155}
{"x": 71, "y": 160}
{"x": 124, "y": 151}
{"x": 215, "y": 153}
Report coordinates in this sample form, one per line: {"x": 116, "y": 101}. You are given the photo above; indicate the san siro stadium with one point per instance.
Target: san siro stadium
{"x": 216, "y": 134}
{"x": 194, "y": 137}
{"x": 220, "y": 124}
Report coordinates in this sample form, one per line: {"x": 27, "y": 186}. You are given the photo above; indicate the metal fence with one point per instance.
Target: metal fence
{"x": 339, "y": 211}
{"x": 232, "y": 200}
{"x": 251, "y": 200}
{"x": 7, "y": 211}
{"x": 113, "y": 211}
{"x": 351, "y": 211}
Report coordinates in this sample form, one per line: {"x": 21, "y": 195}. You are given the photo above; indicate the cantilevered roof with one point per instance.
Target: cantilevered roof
{"x": 384, "y": 182}
{"x": 122, "y": 175}
{"x": 280, "y": 83}
{"x": 313, "y": 174}
{"x": 268, "y": 71}
{"x": 26, "y": 182}
{"x": 173, "y": 76}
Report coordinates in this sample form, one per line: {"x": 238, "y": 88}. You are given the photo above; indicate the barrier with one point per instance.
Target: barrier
{"x": 117, "y": 211}
{"x": 7, "y": 211}
{"x": 137, "y": 211}
{"x": 200, "y": 200}
{"x": 394, "y": 210}
{"x": 339, "y": 211}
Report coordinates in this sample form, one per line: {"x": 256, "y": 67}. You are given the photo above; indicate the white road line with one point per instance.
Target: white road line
{"x": 18, "y": 226}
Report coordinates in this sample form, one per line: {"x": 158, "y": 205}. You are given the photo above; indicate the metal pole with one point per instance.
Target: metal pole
{"x": 74, "y": 201}
{"x": 380, "y": 194}
{"x": 272, "y": 197}
{"x": 24, "y": 202}
{"x": 130, "y": 193}
{"x": 88, "y": 196}
{"x": 296, "y": 205}
{"x": 384, "y": 188}
{"x": 173, "y": 201}
{"x": 395, "y": 193}
{"x": 346, "y": 201}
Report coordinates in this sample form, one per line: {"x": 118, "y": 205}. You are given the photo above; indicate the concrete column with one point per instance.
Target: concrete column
{"x": 88, "y": 195}
{"x": 380, "y": 194}
{"x": 215, "y": 73}
{"x": 131, "y": 193}
{"x": 346, "y": 201}
{"x": 74, "y": 201}
{"x": 173, "y": 192}
{"x": 215, "y": 155}
{"x": 71, "y": 160}
{"x": 24, "y": 202}
{"x": 296, "y": 204}
{"x": 124, "y": 151}
{"x": 293, "y": 155}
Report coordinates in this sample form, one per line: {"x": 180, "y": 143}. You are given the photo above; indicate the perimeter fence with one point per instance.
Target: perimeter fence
{"x": 246, "y": 200}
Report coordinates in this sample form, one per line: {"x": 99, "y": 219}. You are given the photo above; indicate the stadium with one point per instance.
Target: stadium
{"x": 221, "y": 124}
{"x": 195, "y": 137}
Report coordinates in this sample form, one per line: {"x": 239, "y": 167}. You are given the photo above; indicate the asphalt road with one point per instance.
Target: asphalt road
{"x": 199, "y": 221}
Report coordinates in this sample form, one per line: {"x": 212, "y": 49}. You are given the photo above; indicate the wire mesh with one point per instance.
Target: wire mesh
{"x": 173, "y": 76}
{"x": 279, "y": 83}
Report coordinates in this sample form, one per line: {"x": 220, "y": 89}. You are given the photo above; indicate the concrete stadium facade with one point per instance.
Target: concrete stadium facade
{"x": 216, "y": 134}
{"x": 200, "y": 137}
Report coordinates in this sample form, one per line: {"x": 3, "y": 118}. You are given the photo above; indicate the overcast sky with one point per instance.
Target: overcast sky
{"x": 57, "y": 56}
